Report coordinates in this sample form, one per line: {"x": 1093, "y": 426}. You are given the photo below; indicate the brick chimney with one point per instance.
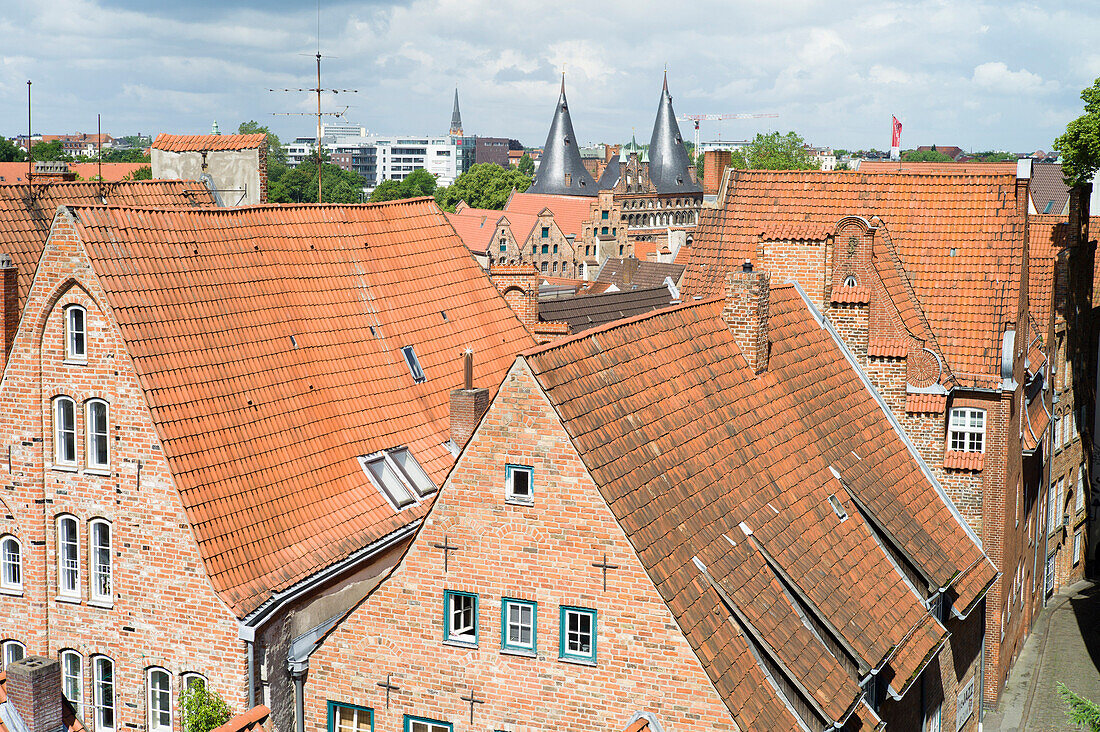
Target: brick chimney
{"x": 1023, "y": 184}
{"x": 468, "y": 404}
{"x": 746, "y": 314}
{"x": 519, "y": 284}
{"x": 715, "y": 163}
{"x": 9, "y": 301}
{"x": 34, "y": 689}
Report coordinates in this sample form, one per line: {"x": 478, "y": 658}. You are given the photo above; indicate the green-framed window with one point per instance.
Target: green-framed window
{"x": 545, "y": 231}
{"x": 422, "y": 724}
{"x": 519, "y": 626}
{"x": 460, "y": 617}
{"x": 577, "y": 634}
{"x": 519, "y": 483}
{"x": 349, "y": 717}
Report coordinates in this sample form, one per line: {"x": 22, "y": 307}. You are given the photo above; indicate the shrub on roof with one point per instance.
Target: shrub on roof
{"x": 203, "y": 709}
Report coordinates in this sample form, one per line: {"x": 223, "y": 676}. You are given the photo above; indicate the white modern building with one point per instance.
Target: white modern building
{"x": 382, "y": 157}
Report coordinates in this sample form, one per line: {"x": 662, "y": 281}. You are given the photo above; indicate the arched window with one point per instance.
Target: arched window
{"x": 850, "y": 281}
{"x": 190, "y": 683}
{"x": 76, "y": 333}
{"x": 13, "y": 651}
{"x": 11, "y": 564}
{"x": 99, "y": 561}
{"x": 64, "y": 431}
{"x": 159, "y": 687}
{"x": 72, "y": 679}
{"x": 97, "y": 445}
{"x": 103, "y": 694}
{"x": 68, "y": 557}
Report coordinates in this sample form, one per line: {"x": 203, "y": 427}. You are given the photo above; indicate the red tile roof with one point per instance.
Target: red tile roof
{"x": 262, "y": 432}
{"x": 26, "y": 213}
{"x": 570, "y": 212}
{"x": 925, "y": 403}
{"x": 955, "y": 460}
{"x": 250, "y": 721}
{"x": 477, "y": 226}
{"x": 892, "y": 166}
{"x": 956, "y": 240}
{"x": 195, "y": 143}
{"x": 1048, "y": 239}
{"x": 17, "y": 172}
{"x": 722, "y": 481}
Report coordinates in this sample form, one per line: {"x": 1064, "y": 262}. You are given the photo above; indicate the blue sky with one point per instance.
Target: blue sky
{"x": 981, "y": 75}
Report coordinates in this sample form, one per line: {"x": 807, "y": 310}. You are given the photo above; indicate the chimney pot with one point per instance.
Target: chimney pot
{"x": 468, "y": 404}
{"x": 746, "y": 266}
{"x": 468, "y": 370}
{"x": 34, "y": 688}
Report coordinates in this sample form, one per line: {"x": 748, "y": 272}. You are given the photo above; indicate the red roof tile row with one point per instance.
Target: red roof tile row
{"x": 570, "y": 212}
{"x": 200, "y": 143}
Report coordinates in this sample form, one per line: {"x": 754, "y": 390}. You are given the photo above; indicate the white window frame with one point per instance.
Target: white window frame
{"x": 1079, "y": 499}
{"x": 60, "y": 431}
{"x": 158, "y": 699}
{"x": 1077, "y": 540}
{"x": 510, "y": 494}
{"x": 415, "y": 369}
{"x": 465, "y": 634}
{"x": 508, "y": 622}
{"x": 11, "y": 564}
{"x": 1054, "y": 520}
{"x": 73, "y": 683}
{"x": 64, "y": 547}
{"x": 96, "y": 570}
{"x": 9, "y": 649}
{"x": 961, "y": 427}
{"x": 92, "y": 436}
{"x": 103, "y": 694}
{"x": 71, "y": 334}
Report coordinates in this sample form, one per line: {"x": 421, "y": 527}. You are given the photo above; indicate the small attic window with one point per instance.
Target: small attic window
{"x": 444, "y": 314}
{"x": 1050, "y": 205}
{"x": 837, "y": 507}
{"x": 850, "y": 281}
{"x": 953, "y": 251}
{"x": 414, "y": 364}
{"x": 398, "y": 476}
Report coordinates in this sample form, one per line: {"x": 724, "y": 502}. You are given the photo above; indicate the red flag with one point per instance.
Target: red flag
{"x": 895, "y": 141}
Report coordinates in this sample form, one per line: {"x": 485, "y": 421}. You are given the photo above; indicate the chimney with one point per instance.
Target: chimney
{"x": 34, "y": 689}
{"x": 519, "y": 284}
{"x": 1023, "y": 184}
{"x": 746, "y": 314}
{"x": 9, "y": 300}
{"x": 715, "y": 163}
{"x": 53, "y": 171}
{"x": 468, "y": 404}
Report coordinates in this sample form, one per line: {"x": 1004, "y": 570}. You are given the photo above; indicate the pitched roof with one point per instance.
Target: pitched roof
{"x": 958, "y": 239}
{"x": 724, "y": 482}
{"x": 26, "y": 213}
{"x": 475, "y": 226}
{"x": 250, "y": 721}
{"x": 1048, "y": 240}
{"x": 570, "y": 212}
{"x": 668, "y": 158}
{"x": 590, "y": 311}
{"x": 632, "y": 273}
{"x": 17, "y": 172}
{"x": 268, "y": 341}
{"x": 900, "y": 166}
{"x": 610, "y": 175}
{"x": 561, "y": 171}
{"x": 199, "y": 143}
{"x": 1049, "y": 192}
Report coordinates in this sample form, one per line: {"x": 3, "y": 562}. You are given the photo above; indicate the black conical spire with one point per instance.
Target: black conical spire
{"x": 668, "y": 158}
{"x": 456, "y": 118}
{"x": 561, "y": 171}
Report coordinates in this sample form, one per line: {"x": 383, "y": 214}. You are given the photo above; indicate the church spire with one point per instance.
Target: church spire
{"x": 668, "y": 158}
{"x": 561, "y": 171}
{"x": 456, "y": 118}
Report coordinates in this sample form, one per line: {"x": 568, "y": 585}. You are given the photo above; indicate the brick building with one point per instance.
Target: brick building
{"x": 592, "y": 224}
{"x": 223, "y": 426}
{"x": 926, "y": 276}
{"x": 665, "y": 521}
{"x": 513, "y": 238}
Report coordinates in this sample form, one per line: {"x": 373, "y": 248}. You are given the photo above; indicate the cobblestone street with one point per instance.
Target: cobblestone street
{"x": 1065, "y": 646}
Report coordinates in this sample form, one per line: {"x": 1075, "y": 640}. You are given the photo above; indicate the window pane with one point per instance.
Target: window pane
{"x": 160, "y": 704}
{"x": 76, "y": 333}
{"x": 101, "y": 559}
{"x": 67, "y": 551}
{"x": 104, "y": 694}
{"x": 13, "y": 651}
{"x": 71, "y": 681}
{"x": 65, "y": 436}
{"x": 97, "y": 434}
{"x": 11, "y": 573}
{"x": 390, "y": 483}
{"x": 415, "y": 474}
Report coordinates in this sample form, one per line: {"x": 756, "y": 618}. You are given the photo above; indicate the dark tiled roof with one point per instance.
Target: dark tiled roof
{"x": 631, "y": 273}
{"x": 561, "y": 171}
{"x": 590, "y": 311}
{"x": 26, "y": 213}
{"x": 1049, "y": 191}
{"x": 263, "y": 433}
{"x": 610, "y": 175}
{"x": 200, "y": 143}
{"x": 668, "y": 158}
{"x": 722, "y": 481}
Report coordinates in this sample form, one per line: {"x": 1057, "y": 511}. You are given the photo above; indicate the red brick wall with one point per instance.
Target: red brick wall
{"x": 715, "y": 163}
{"x": 165, "y": 612}
{"x": 805, "y": 262}
{"x": 542, "y": 553}
{"x": 746, "y": 314}
{"x": 520, "y": 287}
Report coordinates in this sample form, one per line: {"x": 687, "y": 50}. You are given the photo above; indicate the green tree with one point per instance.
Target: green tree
{"x": 203, "y": 709}
{"x": 48, "y": 151}
{"x": 299, "y": 185}
{"x": 925, "y": 156}
{"x": 143, "y": 173}
{"x": 775, "y": 151}
{"x": 484, "y": 185}
{"x": 1081, "y": 711}
{"x": 10, "y": 152}
{"x": 132, "y": 155}
{"x": 1080, "y": 144}
{"x": 526, "y": 165}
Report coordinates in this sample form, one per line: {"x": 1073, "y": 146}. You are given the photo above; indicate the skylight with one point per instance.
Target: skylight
{"x": 398, "y": 476}
{"x": 414, "y": 364}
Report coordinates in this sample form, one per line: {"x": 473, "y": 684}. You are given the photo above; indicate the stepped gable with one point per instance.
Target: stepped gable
{"x": 27, "y": 212}
{"x": 747, "y": 504}
{"x": 668, "y": 158}
{"x": 561, "y": 171}
{"x": 268, "y": 341}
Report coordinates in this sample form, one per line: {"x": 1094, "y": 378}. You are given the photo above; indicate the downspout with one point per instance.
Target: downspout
{"x": 299, "y": 701}
{"x": 1050, "y": 477}
{"x": 247, "y": 633}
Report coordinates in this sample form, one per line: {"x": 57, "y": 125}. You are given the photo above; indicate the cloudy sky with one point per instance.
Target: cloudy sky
{"x": 981, "y": 75}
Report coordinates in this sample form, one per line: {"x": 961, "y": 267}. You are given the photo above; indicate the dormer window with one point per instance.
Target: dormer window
{"x": 76, "y": 333}
{"x": 414, "y": 364}
{"x": 966, "y": 430}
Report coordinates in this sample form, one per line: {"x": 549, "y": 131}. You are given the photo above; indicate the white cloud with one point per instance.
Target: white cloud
{"x": 997, "y": 77}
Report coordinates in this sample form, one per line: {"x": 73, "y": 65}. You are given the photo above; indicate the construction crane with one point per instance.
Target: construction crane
{"x": 697, "y": 118}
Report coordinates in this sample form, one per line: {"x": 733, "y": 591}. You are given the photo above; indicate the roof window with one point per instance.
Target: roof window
{"x": 398, "y": 476}
{"x": 837, "y": 507}
{"x": 414, "y": 364}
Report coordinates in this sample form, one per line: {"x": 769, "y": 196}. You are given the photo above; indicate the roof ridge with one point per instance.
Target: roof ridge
{"x": 547, "y": 347}
{"x": 242, "y": 209}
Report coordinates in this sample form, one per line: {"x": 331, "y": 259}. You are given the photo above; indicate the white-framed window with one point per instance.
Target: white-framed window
{"x": 99, "y": 559}
{"x": 577, "y": 632}
{"x": 1054, "y": 505}
{"x": 1057, "y": 433}
{"x": 519, "y": 619}
{"x": 519, "y": 483}
{"x": 1067, "y": 434}
{"x": 158, "y": 684}
{"x": 850, "y": 281}
{"x": 13, "y": 651}
{"x": 97, "y": 444}
{"x": 64, "y": 431}
{"x": 11, "y": 564}
{"x": 190, "y": 682}
{"x": 103, "y": 694}
{"x": 68, "y": 557}
{"x": 76, "y": 333}
{"x": 966, "y": 430}
{"x": 1079, "y": 502}
{"x": 411, "y": 471}
{"x": 72, "y": 679}
{"x": 461, "y": 612}
{"x": 1077, "y": 536}
{"x": 349, "y": 718}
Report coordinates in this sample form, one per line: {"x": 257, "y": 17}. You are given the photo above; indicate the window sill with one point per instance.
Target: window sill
{"x": 11, "y": 591}
{"x": 460, "y": 644}
{"x": 75, "y": 362}
{"x": 518, "y": 652}
{"x": 577, "y": 661}
{"x": 513, "y": 501}
{"x": 69, "y": 599}
{"x": 98, "y": 471}
{"x": 102, "y": 604}
{"x": 65, "y": 468}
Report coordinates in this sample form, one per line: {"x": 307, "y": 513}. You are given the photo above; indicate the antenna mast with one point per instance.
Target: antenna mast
{"x": 30, "y": 163}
